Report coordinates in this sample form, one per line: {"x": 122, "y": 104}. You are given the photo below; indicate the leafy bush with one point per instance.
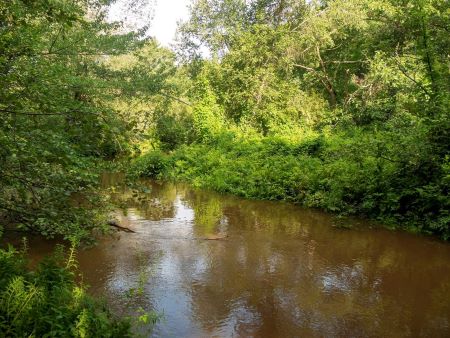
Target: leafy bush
{"x": 47, "y": 302}
{"x": 173, "y": 131}
{"x": 356, "y": 172}
{"x": 153, "y": 164}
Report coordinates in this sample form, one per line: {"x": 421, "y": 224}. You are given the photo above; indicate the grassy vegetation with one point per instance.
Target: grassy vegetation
{"x": 342, "y": 173}
{"x": 47, "y": 302}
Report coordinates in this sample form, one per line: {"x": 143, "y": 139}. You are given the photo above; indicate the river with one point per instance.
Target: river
{"x": 221, "y": 266}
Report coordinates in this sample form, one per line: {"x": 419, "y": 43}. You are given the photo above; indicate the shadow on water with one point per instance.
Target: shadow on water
{"x": 272, "y": 270}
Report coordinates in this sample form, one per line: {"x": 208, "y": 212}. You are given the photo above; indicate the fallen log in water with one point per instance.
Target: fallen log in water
{"x": 116, "y": 225}
{"x": 214, "y": 237}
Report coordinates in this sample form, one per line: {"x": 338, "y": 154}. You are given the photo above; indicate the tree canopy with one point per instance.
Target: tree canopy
{"x": 57, "y": 105}
{"x": 368, "y": 78}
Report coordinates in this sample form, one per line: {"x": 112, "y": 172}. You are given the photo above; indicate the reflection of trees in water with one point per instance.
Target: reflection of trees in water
{"x": 151, "y": 200}
{"x": 285, "y": 271}
{"x": 213, "y": 210}
{"x": 263, "y": 216}
{"x": 111, "y": 179}
{"x": 123, "y": 275}
{"x": 293, "y": 273}
{"x": 256, "y": 280}
{"x": 208, "y": 212}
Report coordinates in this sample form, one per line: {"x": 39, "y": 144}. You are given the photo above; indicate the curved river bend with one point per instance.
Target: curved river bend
{"x": 220, "y": 266}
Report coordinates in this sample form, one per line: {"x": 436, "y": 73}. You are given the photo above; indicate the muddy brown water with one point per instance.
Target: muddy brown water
{"x": 276, "y": 270}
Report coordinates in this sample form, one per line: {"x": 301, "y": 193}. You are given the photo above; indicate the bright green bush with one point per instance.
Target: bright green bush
{"x": 357, "y": 172}
{"x": 47, "y": 302}
{"x": 153, "y": 164}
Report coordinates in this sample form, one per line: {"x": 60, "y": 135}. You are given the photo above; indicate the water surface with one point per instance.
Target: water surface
{"x": 276, "y": 270}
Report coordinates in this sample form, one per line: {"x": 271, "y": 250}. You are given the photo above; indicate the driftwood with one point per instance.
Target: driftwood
{"x": 214, "y": 237}
{"x": 116, "y": 225}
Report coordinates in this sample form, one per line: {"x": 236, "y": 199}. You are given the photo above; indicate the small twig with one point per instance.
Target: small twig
{"x": 175, "y": 98}
{"x": 403, "y": 70}
{"x": 56, "y": 38}
{"x": 6, "y": 111}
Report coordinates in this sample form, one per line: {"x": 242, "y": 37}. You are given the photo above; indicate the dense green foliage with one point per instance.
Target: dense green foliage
{"x": 338, "y": 173}
{"x": 63, "y": 67}
{"x": 342, "y": 105}
{"x": 60, "y": 76}
{"x": 47, "y": 302}
{"x": 336, "y": 104}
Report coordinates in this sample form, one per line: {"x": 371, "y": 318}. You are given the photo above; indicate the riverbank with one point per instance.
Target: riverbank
{"x": 342, "y": 173}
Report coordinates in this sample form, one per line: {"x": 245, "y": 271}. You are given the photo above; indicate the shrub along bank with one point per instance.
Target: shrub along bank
{"x": 47, "y": 302}
{"x": 351, "y": 173}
